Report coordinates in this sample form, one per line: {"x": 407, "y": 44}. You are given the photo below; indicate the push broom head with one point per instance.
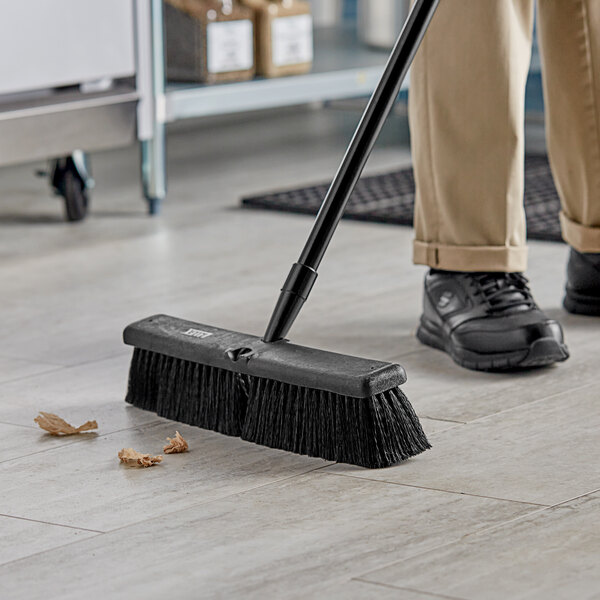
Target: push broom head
{"x": 281, "y": 395}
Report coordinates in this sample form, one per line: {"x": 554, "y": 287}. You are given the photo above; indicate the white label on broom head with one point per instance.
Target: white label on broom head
{"x": 230, "y": 46}
{"x": 292, "y": 40}
{"x": 197, "y": 333}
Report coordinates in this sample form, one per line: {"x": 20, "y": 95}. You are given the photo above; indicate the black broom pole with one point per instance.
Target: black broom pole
{"x": 304, "y": 273}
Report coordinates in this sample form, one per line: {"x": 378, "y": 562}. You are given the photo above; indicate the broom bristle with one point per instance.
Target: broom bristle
{"x": 188, "y": 392}
{"x": 371, "y": 432}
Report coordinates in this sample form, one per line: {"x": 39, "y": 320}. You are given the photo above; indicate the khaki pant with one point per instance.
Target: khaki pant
{"x": 467, "y": 120}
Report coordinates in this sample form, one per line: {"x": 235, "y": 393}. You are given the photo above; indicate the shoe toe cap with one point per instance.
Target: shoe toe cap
{"x": 507, "y": 336}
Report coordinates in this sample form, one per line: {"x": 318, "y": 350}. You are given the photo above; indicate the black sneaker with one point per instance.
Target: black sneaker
{"x": 583, "y": 284}
{"x": 488, "y": 321}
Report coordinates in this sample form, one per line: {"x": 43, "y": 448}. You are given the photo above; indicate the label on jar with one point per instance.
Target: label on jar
{"x": 230, "y": 46}
{"x": 292, "y": 40}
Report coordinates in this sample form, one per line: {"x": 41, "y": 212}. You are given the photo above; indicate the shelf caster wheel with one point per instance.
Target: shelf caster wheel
{"x": 153, "y": 206}
{"x": 70, "y": 180}
{"x": 76, "y": 198}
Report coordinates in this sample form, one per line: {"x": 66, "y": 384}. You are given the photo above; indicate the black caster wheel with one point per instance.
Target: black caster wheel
{"x": 76, "y": 198}
{"x": 153, "y": 206}
{"x": 70, "y": 180}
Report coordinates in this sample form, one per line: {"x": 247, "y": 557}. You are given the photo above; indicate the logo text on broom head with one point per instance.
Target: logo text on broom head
{"x": 197, "y": 333}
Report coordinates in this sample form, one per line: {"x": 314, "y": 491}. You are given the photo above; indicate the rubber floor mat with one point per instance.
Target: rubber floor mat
{"x": 390, "y": 197}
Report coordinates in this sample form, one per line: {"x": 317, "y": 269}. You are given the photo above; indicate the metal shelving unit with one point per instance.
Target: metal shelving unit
{"x": 343, "y": 68}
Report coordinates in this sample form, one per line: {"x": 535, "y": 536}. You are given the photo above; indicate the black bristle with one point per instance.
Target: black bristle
{"x": 371, "y": 432}
{"x": 184, "y": 391}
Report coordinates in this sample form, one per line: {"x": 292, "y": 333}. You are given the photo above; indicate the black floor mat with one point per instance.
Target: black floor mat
{"x": 389, "y": 198}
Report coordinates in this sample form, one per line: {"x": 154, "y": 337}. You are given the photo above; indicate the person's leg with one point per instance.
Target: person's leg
{"x": 467, "y": 97}
{"x": 570, "y": 44}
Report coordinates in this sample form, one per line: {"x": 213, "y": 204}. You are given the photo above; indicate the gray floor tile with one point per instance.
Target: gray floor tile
{"x": 543, "y": 453}
{"x": 104, "y": 495}
{"x": 362, "y": 590}
{"x": 289, "y": 539}
{"x": 13, "y": 368}
{"x": 17, "y": 441}
{"x": 22, "y": 538}
{"x": 552, "y": 555}
{"x": 226, "y": 288}
{"x": 77, "y": 394}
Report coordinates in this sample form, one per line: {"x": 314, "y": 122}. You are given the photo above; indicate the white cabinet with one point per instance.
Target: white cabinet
{"x": 51, "y": 43}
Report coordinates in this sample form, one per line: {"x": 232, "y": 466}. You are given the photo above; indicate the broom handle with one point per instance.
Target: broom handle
{"x": 304, "y": 273}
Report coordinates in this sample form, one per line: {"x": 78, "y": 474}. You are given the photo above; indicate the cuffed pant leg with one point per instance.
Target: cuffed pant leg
{"x": 470, "y": 258}
{"x": 467, "y": 97}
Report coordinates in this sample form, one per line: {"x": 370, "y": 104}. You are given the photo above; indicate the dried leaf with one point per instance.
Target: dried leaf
{"x": 132, "y": 458}
{"x": 54, "y": 425}
{"x": 176, "y": 445}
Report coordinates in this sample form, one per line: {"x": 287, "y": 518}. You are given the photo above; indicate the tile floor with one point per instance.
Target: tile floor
{"x": 506, "y": 504}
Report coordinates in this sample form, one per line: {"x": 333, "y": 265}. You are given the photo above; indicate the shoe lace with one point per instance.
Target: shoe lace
{"x": 503, "y": 291}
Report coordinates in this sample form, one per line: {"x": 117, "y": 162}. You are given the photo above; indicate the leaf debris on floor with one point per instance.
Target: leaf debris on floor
{"x": 176, "y": 445}
{"x": 54, "y": 425}
{"x": 133, "y": 458}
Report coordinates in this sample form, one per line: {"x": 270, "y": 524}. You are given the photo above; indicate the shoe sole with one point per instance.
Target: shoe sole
{"x": 579, "y": 304}
{"x": 541, "y": 353}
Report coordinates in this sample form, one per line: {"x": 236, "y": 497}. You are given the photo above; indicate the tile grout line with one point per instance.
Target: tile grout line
{"x": 51, "y": 523}
{"x": 452, "y": 542}
{"x": 78, "y": 440}
{"x": 53, "y": 369}
{"x": 60, "y": 547}
{"x": 559, "y": 504}
{"x": 399, "y": 357}
{"x": 58, "y": 367}
{"x": 220, "y": 498}
{"x": 522, "y": 406}
{"x": 444, "y": 420}
{"x": 29, "y": 360}
{"x": 124, "y": 352}
{"x": 18, "y": 425}
{"x": 65, "y": 445}
{"x": 110, "y": 531}
{"x": 393, "y": 587}
{"x": 422, "y": 487}
{"x": 485, "y": 530}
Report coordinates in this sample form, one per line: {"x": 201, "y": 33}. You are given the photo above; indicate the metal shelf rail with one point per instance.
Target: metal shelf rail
{"x": 343, "y": 68}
